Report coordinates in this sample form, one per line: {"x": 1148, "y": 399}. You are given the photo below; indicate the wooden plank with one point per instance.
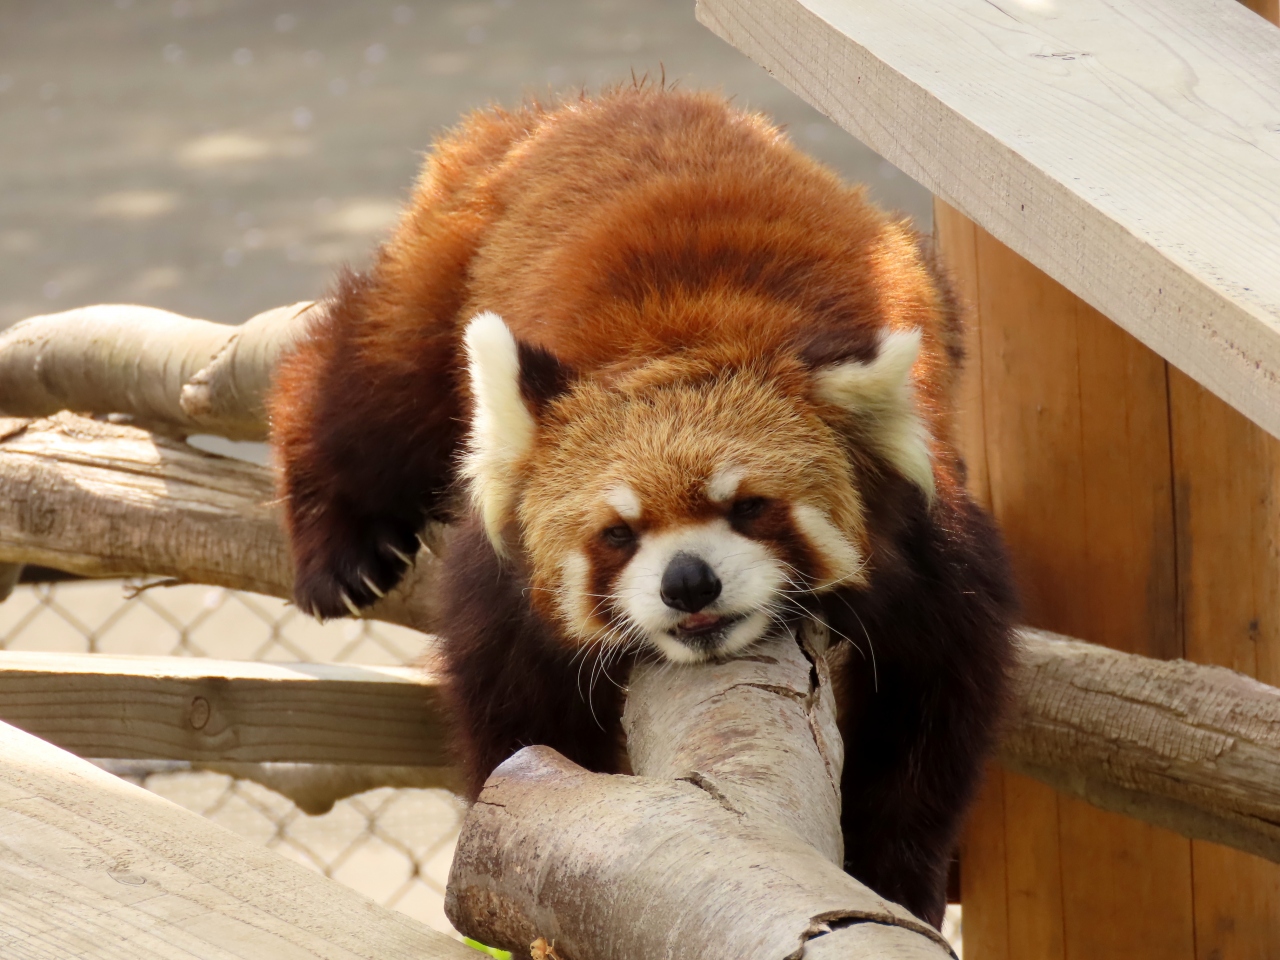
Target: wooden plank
{"x": 189, "y": 708}
{"x": 1128, "y": 148}
{"x": 94, "y": 867}
{"x": 1227, "y": 481}
{"x": 1077, "y": 454}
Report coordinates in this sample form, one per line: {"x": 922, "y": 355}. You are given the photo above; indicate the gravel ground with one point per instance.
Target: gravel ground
{"x": 219, "y": 157}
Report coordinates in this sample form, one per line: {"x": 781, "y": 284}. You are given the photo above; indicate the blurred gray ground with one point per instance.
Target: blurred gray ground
{"x": 219, "y": 157}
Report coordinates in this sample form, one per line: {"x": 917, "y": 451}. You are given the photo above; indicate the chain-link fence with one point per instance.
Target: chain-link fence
{"x": 393, "y": 845}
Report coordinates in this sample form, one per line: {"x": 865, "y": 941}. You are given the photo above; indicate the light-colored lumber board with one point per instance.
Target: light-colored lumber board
{"x": 1128, "y": 148}
{"x": 1075, "y": 424}
{"x": 95, "y": 868}
{"x": 192, "y": 708}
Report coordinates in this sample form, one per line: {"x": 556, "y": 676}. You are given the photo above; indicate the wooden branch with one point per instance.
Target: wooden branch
{"x": 101, "y": 500}
{"x": 94, "y": 867}
{"x": 190, "y": 376}
{"x": 1066, "y": 131}
{"x": 1192, "y": 748}
{"x": 696, "y": 857}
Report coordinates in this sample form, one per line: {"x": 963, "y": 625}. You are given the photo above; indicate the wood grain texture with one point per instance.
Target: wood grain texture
{"x": 94, "y": 867}
{"x": 1128, "y": 148}
{"x": 1227, "y": 486}
{"x": 159, "y": 367}
{"x": 104, "y": 500}
{"x": 189, "y": 708}
{"x": 1075, "y": 425}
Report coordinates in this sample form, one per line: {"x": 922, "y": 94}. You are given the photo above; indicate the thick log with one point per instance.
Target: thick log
{"x": 102, "y": 500}
{"x": 94, "y": 867}
{"x": 162, "y": 369}
{"x": 717, "y": 861}
{"x": 1185, "y": 746}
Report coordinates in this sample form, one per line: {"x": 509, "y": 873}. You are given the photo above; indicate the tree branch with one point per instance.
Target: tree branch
{"x": 102, "y": 500}
{"x": 737, "y": 780}
{"x": 1189, "y": 747}
{"x": 162, "y": 369}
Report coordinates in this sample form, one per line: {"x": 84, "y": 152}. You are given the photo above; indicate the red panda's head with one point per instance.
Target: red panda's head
{"x": 682, "y": 507}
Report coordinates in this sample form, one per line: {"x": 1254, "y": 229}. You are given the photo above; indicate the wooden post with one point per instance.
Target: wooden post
{"x": 1142, "y": 513}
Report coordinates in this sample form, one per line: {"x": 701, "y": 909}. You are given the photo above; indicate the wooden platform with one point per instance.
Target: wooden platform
{"x": 94, "y": 867}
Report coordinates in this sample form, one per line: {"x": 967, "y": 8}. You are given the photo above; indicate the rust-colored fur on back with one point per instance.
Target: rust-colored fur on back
{"x": 651, "y": 240}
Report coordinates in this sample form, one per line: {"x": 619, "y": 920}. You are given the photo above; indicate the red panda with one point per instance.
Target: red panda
{"x": 673, "y": 386}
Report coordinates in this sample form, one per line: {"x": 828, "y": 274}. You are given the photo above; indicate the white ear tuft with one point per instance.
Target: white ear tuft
{"x": 880, "y": 393}
{"x": 502, "y": 428}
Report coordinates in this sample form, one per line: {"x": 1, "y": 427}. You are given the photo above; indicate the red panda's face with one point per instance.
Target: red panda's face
{"x": 686, "y": 518}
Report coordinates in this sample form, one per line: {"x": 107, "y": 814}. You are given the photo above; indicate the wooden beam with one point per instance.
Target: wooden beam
{"x": 192, "y": 708}
{"x": 1128, "y": 148}
{"x": 94, "y": 867}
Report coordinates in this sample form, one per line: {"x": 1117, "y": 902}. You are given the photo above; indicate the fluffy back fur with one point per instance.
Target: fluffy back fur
{"x": 675, "y": 385}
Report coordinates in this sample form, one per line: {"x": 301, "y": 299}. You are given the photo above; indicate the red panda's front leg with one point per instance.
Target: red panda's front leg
{"x": 509, "y": 681}
{"x": 922, "y": 702}
{"x": 365, "y": 426}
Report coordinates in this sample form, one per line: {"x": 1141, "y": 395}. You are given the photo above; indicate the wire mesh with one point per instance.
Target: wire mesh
{"x": 393, "y": 845}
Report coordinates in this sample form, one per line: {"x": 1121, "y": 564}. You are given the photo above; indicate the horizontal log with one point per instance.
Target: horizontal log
{"x": 163, "y": 369}
{"x": 1128, "y": 148}
{"x": 102, "y": 499}
{"x": 1185, "y": 746}
{"x": 193, "y": 708}
{"x": 94, "y": 867}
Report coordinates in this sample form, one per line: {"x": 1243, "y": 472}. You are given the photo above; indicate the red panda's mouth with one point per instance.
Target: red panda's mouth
{"x": 703, "y": 624}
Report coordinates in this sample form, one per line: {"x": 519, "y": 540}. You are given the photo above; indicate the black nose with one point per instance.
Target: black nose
{"x": 688, "y": 584}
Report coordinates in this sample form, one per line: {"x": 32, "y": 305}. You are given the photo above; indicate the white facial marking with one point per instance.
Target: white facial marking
{"x": 882, "y": 394}
{"x": 750, "y": 584}
{"x": 724, "y": 483}
{"x": 572, "y": 598}
{"x": 502, "y": 429}
{"x": 624, "y": 500}
{"x": 841, "y": 558}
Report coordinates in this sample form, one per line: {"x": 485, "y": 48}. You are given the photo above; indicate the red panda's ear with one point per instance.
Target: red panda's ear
{"x": 511, "y": 383}
{"x": 879, "y": 393}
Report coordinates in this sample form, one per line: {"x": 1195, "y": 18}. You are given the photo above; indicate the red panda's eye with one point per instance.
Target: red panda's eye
{"x": 619, "y": 536}
{"x": 747, "y": 508}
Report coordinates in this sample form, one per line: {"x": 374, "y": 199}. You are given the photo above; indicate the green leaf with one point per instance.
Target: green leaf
{"x": 491, "y": 951}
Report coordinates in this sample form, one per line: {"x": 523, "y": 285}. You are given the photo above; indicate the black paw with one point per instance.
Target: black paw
{"x": 344, "y": 573}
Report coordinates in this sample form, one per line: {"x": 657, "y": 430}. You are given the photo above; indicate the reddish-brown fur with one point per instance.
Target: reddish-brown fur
{"x": 652, "y": 235}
